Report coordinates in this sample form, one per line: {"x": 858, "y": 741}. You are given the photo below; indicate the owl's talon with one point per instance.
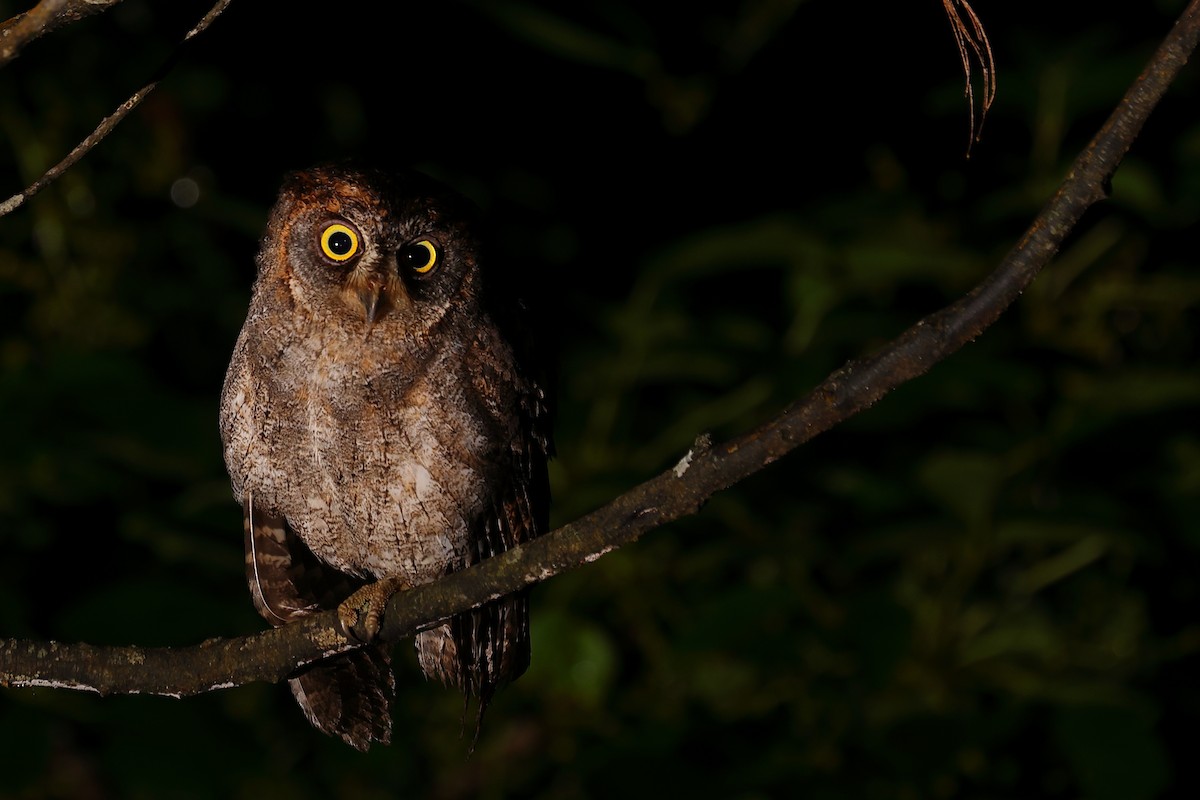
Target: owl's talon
{"x": 348, "y": 621}
{"x": 360, "y": 616}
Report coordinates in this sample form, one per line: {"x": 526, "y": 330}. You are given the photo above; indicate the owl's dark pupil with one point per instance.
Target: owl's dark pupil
{"x": 340, "y": 243}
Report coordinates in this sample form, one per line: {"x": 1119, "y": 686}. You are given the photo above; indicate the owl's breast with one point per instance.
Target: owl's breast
{"x": 380, "y": 468}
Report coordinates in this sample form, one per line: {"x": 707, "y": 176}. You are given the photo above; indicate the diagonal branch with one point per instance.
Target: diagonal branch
{"x": 704, "y": 471}
{"x": 112, "y": 120}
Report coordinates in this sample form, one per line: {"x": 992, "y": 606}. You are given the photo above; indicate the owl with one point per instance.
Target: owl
{"x": 383, "y": 419}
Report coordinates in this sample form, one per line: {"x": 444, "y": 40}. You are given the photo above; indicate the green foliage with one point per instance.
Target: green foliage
{"x": 981, "y": 587}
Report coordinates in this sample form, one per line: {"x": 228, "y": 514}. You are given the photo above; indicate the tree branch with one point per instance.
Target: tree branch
{"x": 677, "y": 492}
{"x": 112, "y": 120}
{"x": 46, "y": 16}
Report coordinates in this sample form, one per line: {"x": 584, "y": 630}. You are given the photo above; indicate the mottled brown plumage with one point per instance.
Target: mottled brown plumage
{"x": 381, "y": 420}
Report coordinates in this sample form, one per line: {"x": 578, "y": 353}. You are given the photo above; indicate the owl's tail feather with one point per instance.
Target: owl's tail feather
{"x": 350, "y": 696}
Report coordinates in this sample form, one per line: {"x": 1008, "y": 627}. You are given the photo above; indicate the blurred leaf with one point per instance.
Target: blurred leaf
{"x": 966, "y": 483}
{"x": 1114, "y": 752}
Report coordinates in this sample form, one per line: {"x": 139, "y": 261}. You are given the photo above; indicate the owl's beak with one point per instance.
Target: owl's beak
{"x": 376, "y": 288}
{"x": 370, "y": 296}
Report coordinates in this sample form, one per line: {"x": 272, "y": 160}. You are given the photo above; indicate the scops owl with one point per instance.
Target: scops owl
{"x": 382, "y": 419}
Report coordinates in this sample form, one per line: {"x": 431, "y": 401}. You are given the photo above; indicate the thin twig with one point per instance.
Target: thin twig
{"x": 112, "y": 120}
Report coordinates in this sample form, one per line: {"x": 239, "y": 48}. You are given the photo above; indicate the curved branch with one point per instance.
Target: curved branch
{"x": 112, "y": 120}
{"x": 705, "y": 470}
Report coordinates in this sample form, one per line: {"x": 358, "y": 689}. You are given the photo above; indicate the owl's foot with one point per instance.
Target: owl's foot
{"x": 360, "y": 615}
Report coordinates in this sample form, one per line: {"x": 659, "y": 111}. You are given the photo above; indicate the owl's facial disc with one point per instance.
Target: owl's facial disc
{"x": 377, "y": 275}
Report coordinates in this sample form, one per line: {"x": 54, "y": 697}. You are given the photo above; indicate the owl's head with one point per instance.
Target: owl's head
{"x": 380, "y": 248}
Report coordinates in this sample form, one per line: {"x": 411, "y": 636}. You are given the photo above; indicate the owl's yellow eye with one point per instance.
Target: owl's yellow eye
{"x": 420, "y": 257}
{"x": 339, "y": 242}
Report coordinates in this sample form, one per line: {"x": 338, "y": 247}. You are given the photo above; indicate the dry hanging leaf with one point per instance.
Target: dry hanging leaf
{"x": 972, "y": 42}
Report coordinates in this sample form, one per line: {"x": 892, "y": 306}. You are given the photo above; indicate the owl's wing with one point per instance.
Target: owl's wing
{"x": 348, "y": 695}
{"x": 286, "y": 580}
{"x": 492, "y": 642}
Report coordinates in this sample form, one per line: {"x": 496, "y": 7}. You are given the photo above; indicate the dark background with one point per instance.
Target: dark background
{"x": 983, "y": 587}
